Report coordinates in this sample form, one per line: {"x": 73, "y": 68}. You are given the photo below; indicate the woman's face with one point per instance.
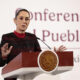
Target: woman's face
{"x": 22, "y": 21}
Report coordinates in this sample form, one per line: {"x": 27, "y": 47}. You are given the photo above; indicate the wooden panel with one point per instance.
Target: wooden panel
{"x": 65, "y": 58}
{"x": 30, "y": 60}
{"x": 16, "y": 63}
{"x": 24, "y": 59}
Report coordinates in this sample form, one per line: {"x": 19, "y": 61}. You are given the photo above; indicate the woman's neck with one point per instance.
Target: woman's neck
{"x": 20, "y": 31}
{"x": 19, "y": 35}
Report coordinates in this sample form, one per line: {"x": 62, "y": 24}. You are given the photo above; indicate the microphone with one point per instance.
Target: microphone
{"x": 44, "y": 42}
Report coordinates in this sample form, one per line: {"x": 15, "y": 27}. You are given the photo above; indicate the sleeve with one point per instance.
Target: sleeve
{"x": 2, "y": 62}
{"x": 37, "y": 46}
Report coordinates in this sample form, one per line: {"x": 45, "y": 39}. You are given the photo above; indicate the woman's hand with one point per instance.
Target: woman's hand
{"x": 60, "y": 49}
{"x": 5, "y": 50}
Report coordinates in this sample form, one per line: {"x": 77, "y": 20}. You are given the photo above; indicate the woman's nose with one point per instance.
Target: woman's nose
{"x": 24, "y": 20}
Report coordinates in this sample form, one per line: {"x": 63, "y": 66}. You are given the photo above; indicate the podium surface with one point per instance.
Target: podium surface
{"x": 26, "y": 64}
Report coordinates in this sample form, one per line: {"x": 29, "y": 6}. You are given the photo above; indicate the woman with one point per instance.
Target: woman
{"x": 19, "y": 40}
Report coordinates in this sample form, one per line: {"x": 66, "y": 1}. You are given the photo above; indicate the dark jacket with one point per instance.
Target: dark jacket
{"x": 27, "y": 44}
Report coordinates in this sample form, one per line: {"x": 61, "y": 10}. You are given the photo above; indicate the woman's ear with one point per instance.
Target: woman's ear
{"x": 14, "y": 20}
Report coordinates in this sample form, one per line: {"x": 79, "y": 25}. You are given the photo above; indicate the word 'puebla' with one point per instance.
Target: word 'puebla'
{"x": 64, "y": 36}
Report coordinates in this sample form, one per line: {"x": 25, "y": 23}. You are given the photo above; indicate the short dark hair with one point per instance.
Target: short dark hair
{"x": 19, "y": 10}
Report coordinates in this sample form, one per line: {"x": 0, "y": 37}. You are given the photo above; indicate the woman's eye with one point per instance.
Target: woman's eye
{"x": 26, "y": 18}
{"x": 21, "y": 18}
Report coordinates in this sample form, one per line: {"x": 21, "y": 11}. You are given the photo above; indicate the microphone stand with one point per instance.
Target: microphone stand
{"x": 44, "y": 43}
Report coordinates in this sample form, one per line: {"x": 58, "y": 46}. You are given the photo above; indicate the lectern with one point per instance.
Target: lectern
{"x": 25, "y": 66}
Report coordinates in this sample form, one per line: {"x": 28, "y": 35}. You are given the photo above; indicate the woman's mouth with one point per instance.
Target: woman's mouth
{"x": 23, "y": 25}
